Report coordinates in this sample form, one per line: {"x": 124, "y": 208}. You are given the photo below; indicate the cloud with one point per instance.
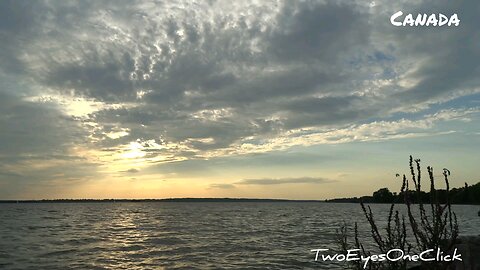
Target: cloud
{"x": 445, "y": 57}
{"x": 16, "y": 23}
{"x": 105, "y": 80}
{"x": 133, "y": 170}
{"x": 280, "y": 181}
{"x": 222, "y": 186}
{"x": 318, "y": 31}
{"x": 36, "y": 142}
{"x": 194, "y": 74}
{"x": 32, "y": 128}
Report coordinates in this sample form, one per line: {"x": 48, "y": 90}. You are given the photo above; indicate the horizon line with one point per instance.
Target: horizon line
{"x": 162, "y": 199}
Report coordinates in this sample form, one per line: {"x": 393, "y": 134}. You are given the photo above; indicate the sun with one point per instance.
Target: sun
{"x": 134, "y": 150}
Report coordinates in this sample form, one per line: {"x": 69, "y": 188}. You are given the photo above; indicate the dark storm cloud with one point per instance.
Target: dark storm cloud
{"x": 280, "y": 181}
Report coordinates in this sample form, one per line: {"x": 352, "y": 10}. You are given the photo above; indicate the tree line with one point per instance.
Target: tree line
{"x": 464, "y": 195}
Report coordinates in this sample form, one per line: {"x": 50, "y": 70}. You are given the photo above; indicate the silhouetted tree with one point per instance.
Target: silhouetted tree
{"x": 383, "y": 195}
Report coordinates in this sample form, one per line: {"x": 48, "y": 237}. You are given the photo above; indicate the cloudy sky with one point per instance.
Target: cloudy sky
{"x": 271, "y": 99}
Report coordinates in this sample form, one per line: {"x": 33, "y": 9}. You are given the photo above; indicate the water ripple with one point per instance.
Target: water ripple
{"x": 160, "y": 235}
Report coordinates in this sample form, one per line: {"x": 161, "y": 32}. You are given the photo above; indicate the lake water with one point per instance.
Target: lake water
{"x": 180, "y": 235}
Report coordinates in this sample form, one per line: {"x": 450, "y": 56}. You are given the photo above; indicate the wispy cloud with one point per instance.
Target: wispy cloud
{"x": 281, "y": 181}
{"x": 133, "y": 170}
{"x": 222, "y": 186}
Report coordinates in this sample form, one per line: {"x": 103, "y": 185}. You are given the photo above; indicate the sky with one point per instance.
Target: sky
{"x": 251, "y": 99}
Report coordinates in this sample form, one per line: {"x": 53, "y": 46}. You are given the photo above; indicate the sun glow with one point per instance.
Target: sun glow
{"x": 134, "y": 150}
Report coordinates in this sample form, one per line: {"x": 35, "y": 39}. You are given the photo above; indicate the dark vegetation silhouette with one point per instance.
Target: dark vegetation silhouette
{"x": 425, "y": 225}
{"x": 464, "y": 195}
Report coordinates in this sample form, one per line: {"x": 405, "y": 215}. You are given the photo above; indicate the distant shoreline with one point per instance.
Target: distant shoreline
{"x": 194, "y": 200}
{"x": 354, "y": 200}
{"x": 155, "y": 200}
{"x": 467, "y": 195}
